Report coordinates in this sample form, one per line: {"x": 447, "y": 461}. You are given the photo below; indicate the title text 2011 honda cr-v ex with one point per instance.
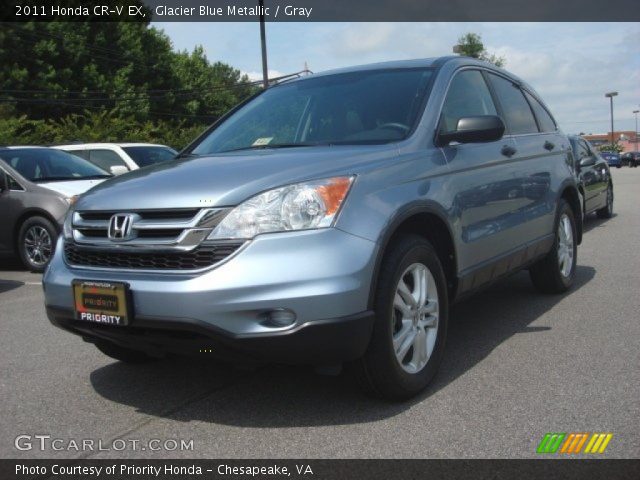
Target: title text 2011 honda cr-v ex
{"x": 327, "y": 220}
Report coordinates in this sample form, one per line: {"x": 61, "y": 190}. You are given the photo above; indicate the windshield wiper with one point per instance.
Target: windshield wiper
{"x": 63, "y": 179}
{"x": 276, "y": 146}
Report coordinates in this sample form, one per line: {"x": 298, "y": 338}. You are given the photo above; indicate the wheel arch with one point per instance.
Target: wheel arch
{"x": 569, "y": 193}
{"x": 27, "y": 214}
{"x": 430, "y": 222}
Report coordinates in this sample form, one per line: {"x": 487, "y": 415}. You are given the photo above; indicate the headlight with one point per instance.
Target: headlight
{"x": 301, "y": 206}
{"x": 67, "y": 228}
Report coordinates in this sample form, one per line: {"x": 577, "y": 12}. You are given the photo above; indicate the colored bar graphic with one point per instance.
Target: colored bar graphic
{"x": 572, "y": 443}
{"x": 551, "y": 442}
{"x": 598, "y": 443}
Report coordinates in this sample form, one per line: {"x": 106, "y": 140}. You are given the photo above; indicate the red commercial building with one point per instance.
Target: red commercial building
{"x": 627, "y": 139}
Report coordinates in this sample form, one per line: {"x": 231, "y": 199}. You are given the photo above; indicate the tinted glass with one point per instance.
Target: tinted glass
{"x": 79, "y": 153}
{"x": 106, "y": 159}
{"x": 547, "y": 124}
{"x": 352, "y": 108}
{"x": 468, "y": 96}
{"x": 518, "y": 115}
{"x": 580, "y": 149}
{"x": 48, "y": 164}
{"x": 13, "y": 184}
{"x": 145, "y": 156}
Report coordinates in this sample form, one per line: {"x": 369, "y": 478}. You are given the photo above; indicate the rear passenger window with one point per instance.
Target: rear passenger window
{"x": 468, "y": 96}
{"x": 545, "y": 120}
{"x": 105, "y": 159}
{"x": 518, "y": 115}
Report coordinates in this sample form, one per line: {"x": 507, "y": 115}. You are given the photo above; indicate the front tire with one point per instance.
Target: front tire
{"x": 556, "y": 271}
{"x": 411, "y": 306}
{"x": 36, "y": 242}
{"x": 607, "y": 210}
{"x": 125, "y": 355}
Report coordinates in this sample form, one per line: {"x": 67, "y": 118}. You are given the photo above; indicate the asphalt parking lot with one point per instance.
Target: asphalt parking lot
{"x": 518, "y": 365}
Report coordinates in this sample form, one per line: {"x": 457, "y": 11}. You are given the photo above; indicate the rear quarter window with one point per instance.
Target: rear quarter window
{"x": 545, "y": 120}
{"x": 518, "y": 115}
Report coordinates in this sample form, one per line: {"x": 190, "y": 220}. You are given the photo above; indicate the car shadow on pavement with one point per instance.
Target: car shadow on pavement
{"x": 592, "y": 221}
{"x": 280, "y": 396}
{"x": 8, "y": 285}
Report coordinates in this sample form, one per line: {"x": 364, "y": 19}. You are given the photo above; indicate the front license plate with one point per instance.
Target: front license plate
{"x": 101, "y": 302}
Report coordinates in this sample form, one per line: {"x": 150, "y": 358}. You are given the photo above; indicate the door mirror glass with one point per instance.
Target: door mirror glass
{"x": 4, "y": 181}
{"x": 481, "y": 128}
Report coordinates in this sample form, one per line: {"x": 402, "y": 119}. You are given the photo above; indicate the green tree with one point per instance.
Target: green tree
{"x": 470, "y": 45}
{"x": 108, "y": 80}
{"x": 615, "y": 148}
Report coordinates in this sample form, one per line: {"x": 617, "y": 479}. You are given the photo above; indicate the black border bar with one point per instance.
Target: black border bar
{"x": 592, "y": 469}
{"x": 322, "y": 10}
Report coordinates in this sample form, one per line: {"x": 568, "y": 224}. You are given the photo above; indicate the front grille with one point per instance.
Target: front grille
{"x": 183, "y": 228}
{"x": 199, "y": 258}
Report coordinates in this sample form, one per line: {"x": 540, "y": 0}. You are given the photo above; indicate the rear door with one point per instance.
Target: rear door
{"x": 541, "y": 157}
{"x": 601, "y": 174}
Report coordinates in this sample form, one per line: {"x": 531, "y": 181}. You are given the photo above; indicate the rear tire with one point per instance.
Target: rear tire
{"x": 607, "y": 210}
{"x": 411, "y": 306}
{"x": 36, "y": 243}
{"x": 123, "y": 354}
{"x": 556, "y": 271}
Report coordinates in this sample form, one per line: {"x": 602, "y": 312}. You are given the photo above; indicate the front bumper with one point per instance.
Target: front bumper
{"x": 315, "y": 343}
{"x": 323, "y": 276}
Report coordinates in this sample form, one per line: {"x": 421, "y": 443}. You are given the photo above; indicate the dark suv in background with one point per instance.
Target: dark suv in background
{"x": 329, "y": 219}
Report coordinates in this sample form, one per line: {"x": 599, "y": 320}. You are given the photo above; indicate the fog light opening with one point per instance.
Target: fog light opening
{"x": 279, "y": 318}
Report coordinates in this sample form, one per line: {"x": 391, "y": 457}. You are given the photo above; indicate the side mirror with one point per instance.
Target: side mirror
{"x": 482, "y": 128}
{"x": 4, "y": 181}
{"x": 587, "y": 161}
{"x": 118, "y": 169}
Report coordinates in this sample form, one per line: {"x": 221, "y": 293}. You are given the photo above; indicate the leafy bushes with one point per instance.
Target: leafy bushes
{"x": 121, "y": 81}
{"x": 103, "y": 126}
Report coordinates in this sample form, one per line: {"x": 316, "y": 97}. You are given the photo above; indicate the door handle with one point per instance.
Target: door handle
{"x": 549, "y": 146}
{"x": 508, "y": 151}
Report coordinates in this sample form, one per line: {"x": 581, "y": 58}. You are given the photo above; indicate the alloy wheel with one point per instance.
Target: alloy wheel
{"x": 565, "y": 246}
{"x": 415, "y": 318}
{"x": 38, "y": 245}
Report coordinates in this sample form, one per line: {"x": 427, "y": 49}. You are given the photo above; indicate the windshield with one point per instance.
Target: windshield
{"x": 373, "y": 106}
{"x": 145, "y": 156}
{"x": 48, "y": 164}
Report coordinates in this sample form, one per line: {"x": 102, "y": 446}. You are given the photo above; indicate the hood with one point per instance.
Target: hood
{"x": 69, "y": 188}
{"x": 228, "y": 179}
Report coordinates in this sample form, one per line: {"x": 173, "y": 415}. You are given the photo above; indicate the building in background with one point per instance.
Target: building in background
{"x": 627, "y": 139}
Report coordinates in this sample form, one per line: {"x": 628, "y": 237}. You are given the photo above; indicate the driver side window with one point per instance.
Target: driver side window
{"x": 468, "y": 96}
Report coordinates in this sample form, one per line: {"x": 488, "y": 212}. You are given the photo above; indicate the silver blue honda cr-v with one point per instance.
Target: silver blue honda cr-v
{"x": 330, "y": 219}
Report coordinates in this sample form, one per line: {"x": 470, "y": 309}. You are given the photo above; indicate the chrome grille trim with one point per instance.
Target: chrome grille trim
{"x": 193, "y": 230}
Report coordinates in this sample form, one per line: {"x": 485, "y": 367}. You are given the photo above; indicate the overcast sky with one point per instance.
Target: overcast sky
{"x": 571, "y": 65}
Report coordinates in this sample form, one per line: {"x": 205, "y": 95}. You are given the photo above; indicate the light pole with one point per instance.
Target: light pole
{"x": 610, "y": 96}
{"x": 263, "y": 44}
{"x": 635, "y": 112}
